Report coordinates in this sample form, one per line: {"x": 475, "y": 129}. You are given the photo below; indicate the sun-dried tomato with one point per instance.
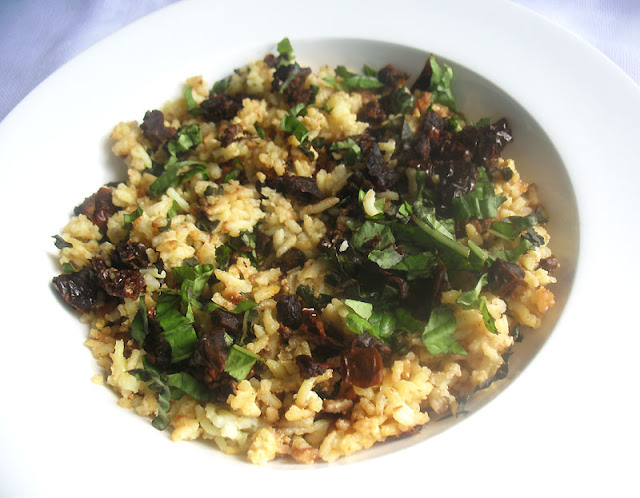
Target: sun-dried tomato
{"x": 79, "y": 289}
{"x": 119, "y": 283}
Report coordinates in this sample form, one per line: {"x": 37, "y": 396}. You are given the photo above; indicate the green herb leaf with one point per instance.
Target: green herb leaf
{"x": 471, "y": 300}
{"x": 419, "y": 265}
{"x": 310, "y": 299}
{"x": 68, "y": 268}
{"x": 481, "y": 203}
{"x": 130, "y": 218}
{"x": 401, "y": 101}
{"x": 358, "y": 325}
{"x": 192, "y": 105}
{"x": 509, "y": 228}
{"x": 405, "y": 321}
{"x": 60, "y": 242}
{"x": 140, "y": 324}
{"x": 187, "y": 137}
{"x": 221, "y": 86}
{"x": 386, "y": 258}
{"x": 361, "y": 308}
{"x": 223, "y": 255}
{"x": 176, "y": 328}
{"x": 440, "y": 86}
{"x": 352, "y": 81}
{"x": 295, "y": 127}
{"x": 284, "y": 48}
{"x": 240, "y": 362}
{"x": 351, "y": 151}
{"x": 185, "y": 383}
{"x": 438, "y": 333}
{"x": 384, "y": 324}
{"x": 259, "y": 130}
{"x": 428, "y": 223}
{"x": 192, "y": 280}
{"x": 369, "y": 71}
{"x": 173, "y": 211}
{"x": 170, "y": 176}
{"x": 164, "y": 395}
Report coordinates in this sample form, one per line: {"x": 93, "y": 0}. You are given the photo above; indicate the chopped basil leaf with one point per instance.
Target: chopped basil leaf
{"x": 401, "y": 101}
{"x": 164, "y": 395}
{"x": 221, "y": 86}
{"x": 170, "y": 177}
{"x": 405, "y": 321}
{"x": 386, "y": 258}
{"x": 483, "y": 123}
{"x": 223, "y": 255}
{"x": 192, "y": 280}
{"x": 362, "y": 308}
{"x": 419, "y": 265}
{"x": 173, "y": 210}
{"x": 310, "y": 299}
{"x": 243, "y": 306}
{"x": 481, "y": 203}
{"x": 140, "y": 324}
{"x": 240, "y": 362}
{"x": 186, "y": 137}
{"x": 352, "y": 81}
{"x": 299, "y": 110}
{"x": 60, "y": 242}
{"x": 68, "y": 268}
{"x": 352, "y": 151}
{"x": 471, "y": 300}
{"x": 292, "y": 125}
{"x": 458, "y": 122}
{"x": 440, "y": 85}
{"x": 509, "y": 228}
{"x": 199, "y": 168}
{"x": 176, "y": 328}
{"x": 192, "y": 105}
{"x": 438, "y": 333}
{"x": 259, "y": 130}
{"x": 232, "y": 175}
{"x": 435, "y": 229}
{"x": 358, "y": 325}
{"x": 185, "y": 383}
{"x": 307, "y": 152}
{"x": 369, "y": 71}
{"x": 130, "y": 218}
{"x": 285, "y": 49}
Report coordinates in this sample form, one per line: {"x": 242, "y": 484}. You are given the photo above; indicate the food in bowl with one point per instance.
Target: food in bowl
{"x": 307, "y": 263}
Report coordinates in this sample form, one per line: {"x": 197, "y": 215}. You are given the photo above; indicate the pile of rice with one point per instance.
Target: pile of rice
{"x": 276, "y": 411}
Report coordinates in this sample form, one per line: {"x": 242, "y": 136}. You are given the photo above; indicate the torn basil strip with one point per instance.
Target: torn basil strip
{"x": 140, "y": 324}
{"x": 481, "y": 203}
{"x": 472, "y": 300}
{"x": 129, "y": 218}
{"x": 177, "y": 329}
{"x": 438, "y": 333}
{"x": 294, "y": 126}
{"x": 240, "y": 362}
{"x": 171, "y": 178}
{"x": 440, "y": 85}
{"x": 509, "y": 228}
{"x": 156, "y": 383}
{"x": 60, "y": 243}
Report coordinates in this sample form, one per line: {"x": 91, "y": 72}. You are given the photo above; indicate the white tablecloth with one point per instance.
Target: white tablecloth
{"x": 39, "y": 36}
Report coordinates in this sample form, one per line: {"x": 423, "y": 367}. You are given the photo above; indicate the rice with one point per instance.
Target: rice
{"x": 280, "y": 351}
